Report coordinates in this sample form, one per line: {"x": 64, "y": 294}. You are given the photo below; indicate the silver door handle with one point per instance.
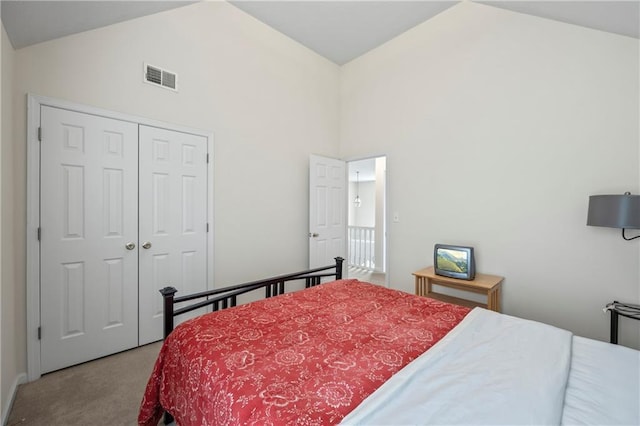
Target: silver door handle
{"x": 146, "y": 245}
{"x": 313, "y": 235}
{"x": 130, "y": 246}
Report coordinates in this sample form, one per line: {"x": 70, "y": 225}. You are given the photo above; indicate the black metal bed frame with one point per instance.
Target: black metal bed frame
{"x": 227, "y": 297}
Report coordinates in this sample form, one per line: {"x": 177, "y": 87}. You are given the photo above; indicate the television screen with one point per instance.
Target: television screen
{"x": 454, "y": 261}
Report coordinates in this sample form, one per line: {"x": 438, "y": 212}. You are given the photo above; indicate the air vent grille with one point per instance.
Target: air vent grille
{"x": 169, "y": 80}
{"x": 160, "y": 77}
{"x": 154, "y": 75}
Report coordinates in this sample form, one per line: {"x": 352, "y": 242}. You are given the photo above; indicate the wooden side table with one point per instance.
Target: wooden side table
{"x": 488, "y": 285}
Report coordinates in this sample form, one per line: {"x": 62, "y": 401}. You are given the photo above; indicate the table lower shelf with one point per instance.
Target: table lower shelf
{"x": 456, "y": 300}
{"x": 483, "y": 284}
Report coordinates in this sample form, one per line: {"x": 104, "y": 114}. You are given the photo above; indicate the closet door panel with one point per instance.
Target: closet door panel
{"x": 88, "y": 215}
{"x": 173, "y": 221}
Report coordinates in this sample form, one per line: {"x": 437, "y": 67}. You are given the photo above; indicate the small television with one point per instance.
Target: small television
{"x": 454, "y": 261}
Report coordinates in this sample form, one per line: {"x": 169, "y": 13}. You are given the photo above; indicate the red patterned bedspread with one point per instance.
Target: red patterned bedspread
{"x": 303, "y": 358}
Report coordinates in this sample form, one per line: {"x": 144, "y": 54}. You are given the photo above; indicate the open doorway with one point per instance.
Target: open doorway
{"x": 366, "y": 226}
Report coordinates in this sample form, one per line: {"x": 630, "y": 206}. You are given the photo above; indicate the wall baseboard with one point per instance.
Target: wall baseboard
{"x": 20, "y": 379}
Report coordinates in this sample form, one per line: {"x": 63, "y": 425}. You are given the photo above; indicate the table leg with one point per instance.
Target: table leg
{"x": 493, "y": 300}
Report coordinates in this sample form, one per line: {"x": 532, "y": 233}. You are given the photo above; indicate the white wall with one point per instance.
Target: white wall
{"x": 269, "y": 101}
{"x": 497, "y": 127}
{"x": 12, "y": 361}
{"x": 2, "y": 391}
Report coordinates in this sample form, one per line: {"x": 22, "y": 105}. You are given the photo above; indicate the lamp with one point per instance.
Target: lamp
{"x": 357, "y": 201}
{"x": 615, "y": 211}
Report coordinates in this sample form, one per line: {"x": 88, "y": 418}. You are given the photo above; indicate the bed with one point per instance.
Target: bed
{"x": 356, "y": 353}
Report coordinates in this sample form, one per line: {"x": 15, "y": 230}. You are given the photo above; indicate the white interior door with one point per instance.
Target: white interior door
{"x": 89, "y": 214}
{"x": 173, "y": 221}
{"x": 327, "y": 210}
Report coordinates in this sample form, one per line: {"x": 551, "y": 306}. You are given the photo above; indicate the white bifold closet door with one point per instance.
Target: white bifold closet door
{"x": 123, "y": 214}
{"x": 88, "y": 222}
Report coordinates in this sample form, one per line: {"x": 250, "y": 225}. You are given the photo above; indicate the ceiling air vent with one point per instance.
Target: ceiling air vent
{"x": 160, "y": 77}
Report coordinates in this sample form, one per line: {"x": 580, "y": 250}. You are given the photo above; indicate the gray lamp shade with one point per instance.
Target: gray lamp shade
{"x": 614, "y": 211}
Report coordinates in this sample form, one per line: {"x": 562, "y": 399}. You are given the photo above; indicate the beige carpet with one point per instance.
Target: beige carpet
{"x": 107, "y": 391}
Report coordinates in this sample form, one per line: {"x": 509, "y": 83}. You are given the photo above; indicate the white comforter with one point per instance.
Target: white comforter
{"x": 604, "y": 385}
{"x": 491, "y": 369}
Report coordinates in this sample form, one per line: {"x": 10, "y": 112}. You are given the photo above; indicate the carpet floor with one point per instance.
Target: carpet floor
{"x": 367, "y": 276}
{"x": 107, "y": 391}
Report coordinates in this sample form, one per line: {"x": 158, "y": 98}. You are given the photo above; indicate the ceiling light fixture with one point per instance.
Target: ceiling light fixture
{"x": 357, "y": 201}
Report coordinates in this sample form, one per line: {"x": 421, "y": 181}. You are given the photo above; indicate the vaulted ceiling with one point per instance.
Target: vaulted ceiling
{"x": 337, "y": 30}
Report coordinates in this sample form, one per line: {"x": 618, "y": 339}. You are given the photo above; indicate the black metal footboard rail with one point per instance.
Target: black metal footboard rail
{"x": 226, "y": 297}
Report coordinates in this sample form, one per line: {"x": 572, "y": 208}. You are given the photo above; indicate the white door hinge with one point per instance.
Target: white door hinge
{"x": 40, "y": 134}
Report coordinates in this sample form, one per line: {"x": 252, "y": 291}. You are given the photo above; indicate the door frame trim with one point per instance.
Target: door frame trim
{"x": 387, "y": 221}
{"x": 33, "y": 301}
